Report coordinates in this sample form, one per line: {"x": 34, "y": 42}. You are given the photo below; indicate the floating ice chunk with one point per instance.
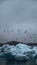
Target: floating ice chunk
{"x": 35, "y": 49}
{"x": 1, "y": 53}
{"x": 23, "y": 50}
{"x": 20, "y": 51}
{"x": 20, "y": 48}
{"x": 6, "y": 48}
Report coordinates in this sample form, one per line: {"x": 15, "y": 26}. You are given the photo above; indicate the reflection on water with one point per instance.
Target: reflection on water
{"x": 4, "y": 62}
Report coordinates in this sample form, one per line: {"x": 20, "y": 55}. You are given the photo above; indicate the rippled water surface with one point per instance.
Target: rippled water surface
{"x": 5, "y": 62}
{"x": 23, "y": 63}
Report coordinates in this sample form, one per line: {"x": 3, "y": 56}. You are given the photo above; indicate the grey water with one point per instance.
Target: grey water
{"x": 9, "y": 62}
{"x": 23, "y": 63}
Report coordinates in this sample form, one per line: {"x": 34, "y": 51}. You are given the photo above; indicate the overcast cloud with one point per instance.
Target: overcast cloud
{"x": 18, "y": 12}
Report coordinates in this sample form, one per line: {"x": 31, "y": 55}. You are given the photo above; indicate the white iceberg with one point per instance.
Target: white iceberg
{"x": 22, "y": 52}
{"x": 19, "y": 52}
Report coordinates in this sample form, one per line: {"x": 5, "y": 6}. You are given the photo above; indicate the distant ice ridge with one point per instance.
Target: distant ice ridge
{"x": 20, "y": 51}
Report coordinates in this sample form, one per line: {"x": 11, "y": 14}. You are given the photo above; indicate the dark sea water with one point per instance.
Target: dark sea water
{"x": 23, "y": 63}
{"x": 6, "y": 62}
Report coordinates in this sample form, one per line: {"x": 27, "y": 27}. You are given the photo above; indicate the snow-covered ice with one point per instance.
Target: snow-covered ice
{"x": 20, "y": 51}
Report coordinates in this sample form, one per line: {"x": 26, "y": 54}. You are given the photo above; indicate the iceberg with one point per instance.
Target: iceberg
{"x": 18, "y": 52}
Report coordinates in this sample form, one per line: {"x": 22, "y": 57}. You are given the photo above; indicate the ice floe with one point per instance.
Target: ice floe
{"x": 19, "y": 52}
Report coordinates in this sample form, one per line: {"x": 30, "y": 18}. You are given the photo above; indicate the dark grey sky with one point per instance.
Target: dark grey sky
{"x": 18, "y": 14}
{"x": 18, "y": 10}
